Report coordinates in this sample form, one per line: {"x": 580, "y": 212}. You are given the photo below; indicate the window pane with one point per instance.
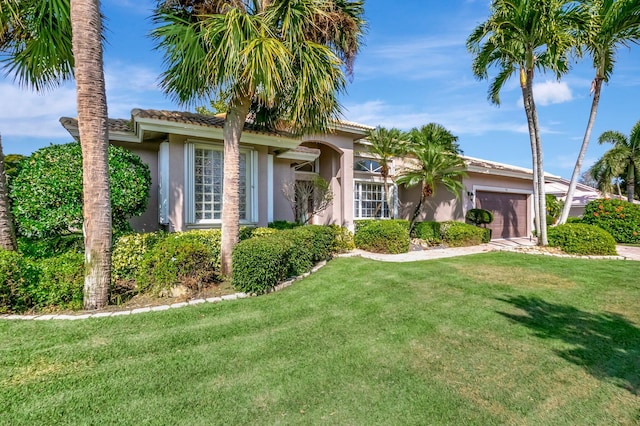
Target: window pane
{"x": 370, "y": 201}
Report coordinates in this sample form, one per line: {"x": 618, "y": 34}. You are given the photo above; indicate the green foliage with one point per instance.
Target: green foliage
{"x": 572, "y": 219}
{"x": 260, "y": 263}
{"x": 458, "y": 234}
{"x": 554, "y": 208}
{"x": 382, "y": 236}
{"x": 40, "y": 248}
{"x": 61, "y": 282}
{"x": 189, "y": 258}
{"x": 582, "y": 239}
{"x": 16, "y": 275}
{"x": 11, "y": 165}
{"x": 343, "y": 239}
{"x": 479, "y": 217}
{"x": 128, "y": 253}
{"x": 619, "y": 218}
{"x": 429, "y": 232}
{"x": 283, "y": 224}
{"x": 47, "y": 192}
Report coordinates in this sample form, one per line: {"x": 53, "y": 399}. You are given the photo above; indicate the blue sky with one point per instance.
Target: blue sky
{"x": 412, "y": 70}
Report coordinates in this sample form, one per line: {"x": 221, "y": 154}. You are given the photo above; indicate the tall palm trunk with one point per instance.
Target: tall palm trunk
{"x": 233, "y": 125}
{"x": 525, "y": 78}
{"x": 583, "y": 150}
{"x": 387, "y": 194}
{"x": 7, "y": 231}
{"x": 92, "y": 125}
{"x": 542, "y": 199}
{"x": 631, "y": 182}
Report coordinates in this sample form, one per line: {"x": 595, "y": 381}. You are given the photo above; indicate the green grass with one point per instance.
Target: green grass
{"x": 497, "y": 338}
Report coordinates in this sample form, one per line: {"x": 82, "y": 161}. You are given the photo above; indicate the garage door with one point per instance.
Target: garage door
{"x": 509, "y": 213}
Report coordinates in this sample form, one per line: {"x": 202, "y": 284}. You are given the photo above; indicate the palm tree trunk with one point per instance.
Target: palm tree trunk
{"x": 7, "y": 231}
{"x": 387, "y": 196}
{"x": 583, "y": 150}
{"x": 631, "y": 183}
{"x": 527, "y": 100}
{"x": 233, "y": 125}
{"x": 542, "y": 199}
{"x": 86, "y": 24}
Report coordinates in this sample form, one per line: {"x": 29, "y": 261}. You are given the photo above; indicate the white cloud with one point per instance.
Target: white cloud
{"x": 552, "y": 92}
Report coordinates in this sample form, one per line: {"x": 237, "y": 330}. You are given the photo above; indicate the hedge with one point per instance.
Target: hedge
{"x": 583, "y": 239}
{"x": 429, "y": 232}
{"x": 17, "y": 274}
{"x": 383, "y": 236}
{"x": 619, "y": 218}
{"x": 458, "y": 234}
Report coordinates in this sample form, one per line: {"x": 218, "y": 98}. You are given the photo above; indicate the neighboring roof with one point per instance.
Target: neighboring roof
{"x": 478, "y": 165}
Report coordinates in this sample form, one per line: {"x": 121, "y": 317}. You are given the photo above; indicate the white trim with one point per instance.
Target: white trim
{"x": 163, "y": 183}
{"x": 269, "y": 188}
{"x": 189, "y": 182}
{"x": 394, "y": 199}
{"x": 252, "y": 197}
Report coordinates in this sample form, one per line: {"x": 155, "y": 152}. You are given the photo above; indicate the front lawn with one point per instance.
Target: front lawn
{"x": 497, "y": 338}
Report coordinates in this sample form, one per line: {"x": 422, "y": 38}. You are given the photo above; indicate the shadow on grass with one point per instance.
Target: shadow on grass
{"x": 606, "y": 345}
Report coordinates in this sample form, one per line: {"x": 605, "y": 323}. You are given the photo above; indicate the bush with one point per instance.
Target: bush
{"x": 429, "y": 232}
{"x": 342, "y": 239}
{"x": 572, "y": 219}
{"x": 283, "y": 224}
{"x": 47, "y": 192}
{"x": 382, "y": 236}
{"x": 17, "y": 274}
{"x": 260, "y": 263}
{"x": 582, "y": 239}
{"x": 61, "y": 282}
{"x": 479, "y": 217}
{"x": 189, "y": 258}
{"x": 619, "y": 218}
{"x": 41, "y": 248}
{"x": 458, "y": 234}
{"x": 554, "y": 208}
{"x": 128, "y": 252}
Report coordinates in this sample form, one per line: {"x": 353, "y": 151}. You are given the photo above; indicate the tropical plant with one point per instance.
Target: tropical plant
{"x": 434, "y": 133}
{"x": 281, "y": 61}
{"x": 45, "y": 43}
{"x": 386, "y": 144}
{"x": 522, "y": 36}
{"x": 620, "y": 162}
{"x": 610, "y": 25}
{"x": 435, "y": 165}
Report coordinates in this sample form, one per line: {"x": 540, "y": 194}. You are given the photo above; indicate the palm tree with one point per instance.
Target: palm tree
{"x": 386, "y": 144}
{"x": 46, "y": 42}
{"x": 282, "y": 61}
{"x": 522, "y": 36}
{"x": 621, "y": 161}
{"x": 434, "y": 133}
{"x": 610, "y": 24}
{"x": 35, "y": 61}
{"x": 436, "y": 165}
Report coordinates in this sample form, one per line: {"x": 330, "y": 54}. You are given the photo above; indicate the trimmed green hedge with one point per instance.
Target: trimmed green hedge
{"x": 17, "y": 274}
{"x": 458, "y": 234}
{"x": 260, "y": 263}
{"x": 619, "y": 218}
{"x": 583, "y": 239}
{"x": 61, "y": 282}
{"x": 383, "y": 236}
{"x": 429, "y": 232}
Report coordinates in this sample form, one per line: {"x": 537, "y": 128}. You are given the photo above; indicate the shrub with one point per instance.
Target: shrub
{"x": 188, "y": 258}
{"x": 283, "y": 224}
{"x": 458, "y": 234}
{"x": 429, "y": 232}
{"x": 572, "y": 219}
{"x": 619, "y": 218}
{"x": 40, "y": 248}
{"x": 479, "y": 217}
{"x": 17, "y": 274}
{"x": 554, "y": 208}
{"x": 47, "y": 192}
{"x": 576, "y": 238}
{"x": 342, "y": 239}
{"x": 382, "y": 236}
{"x": 260, "y": 263}
{"x": 128, "y": 252}
{"x": 61, "y": 282}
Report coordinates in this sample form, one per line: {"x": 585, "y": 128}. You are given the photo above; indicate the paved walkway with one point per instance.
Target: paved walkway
{"x": 516, "y": 244}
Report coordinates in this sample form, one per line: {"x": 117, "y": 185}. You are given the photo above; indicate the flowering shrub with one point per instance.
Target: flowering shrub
{"x": 619, "y": 218}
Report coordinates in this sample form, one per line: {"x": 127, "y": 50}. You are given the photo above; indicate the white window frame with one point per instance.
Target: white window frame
{"x": 251, "y": 183}
{"x": 376, "y": 171}
{"x": 357, "y": 189}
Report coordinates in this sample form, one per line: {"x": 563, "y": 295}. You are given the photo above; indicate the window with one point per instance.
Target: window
{"x": 366, "y": 165}
{"x": 370, "y": 201}
{"x": 205, "y": 176}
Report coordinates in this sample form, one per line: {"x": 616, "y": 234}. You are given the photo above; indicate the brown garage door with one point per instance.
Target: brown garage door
{"x": 509, "y": 211}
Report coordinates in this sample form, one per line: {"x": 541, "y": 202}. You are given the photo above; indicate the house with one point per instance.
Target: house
{"x": 185, "y": 154}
